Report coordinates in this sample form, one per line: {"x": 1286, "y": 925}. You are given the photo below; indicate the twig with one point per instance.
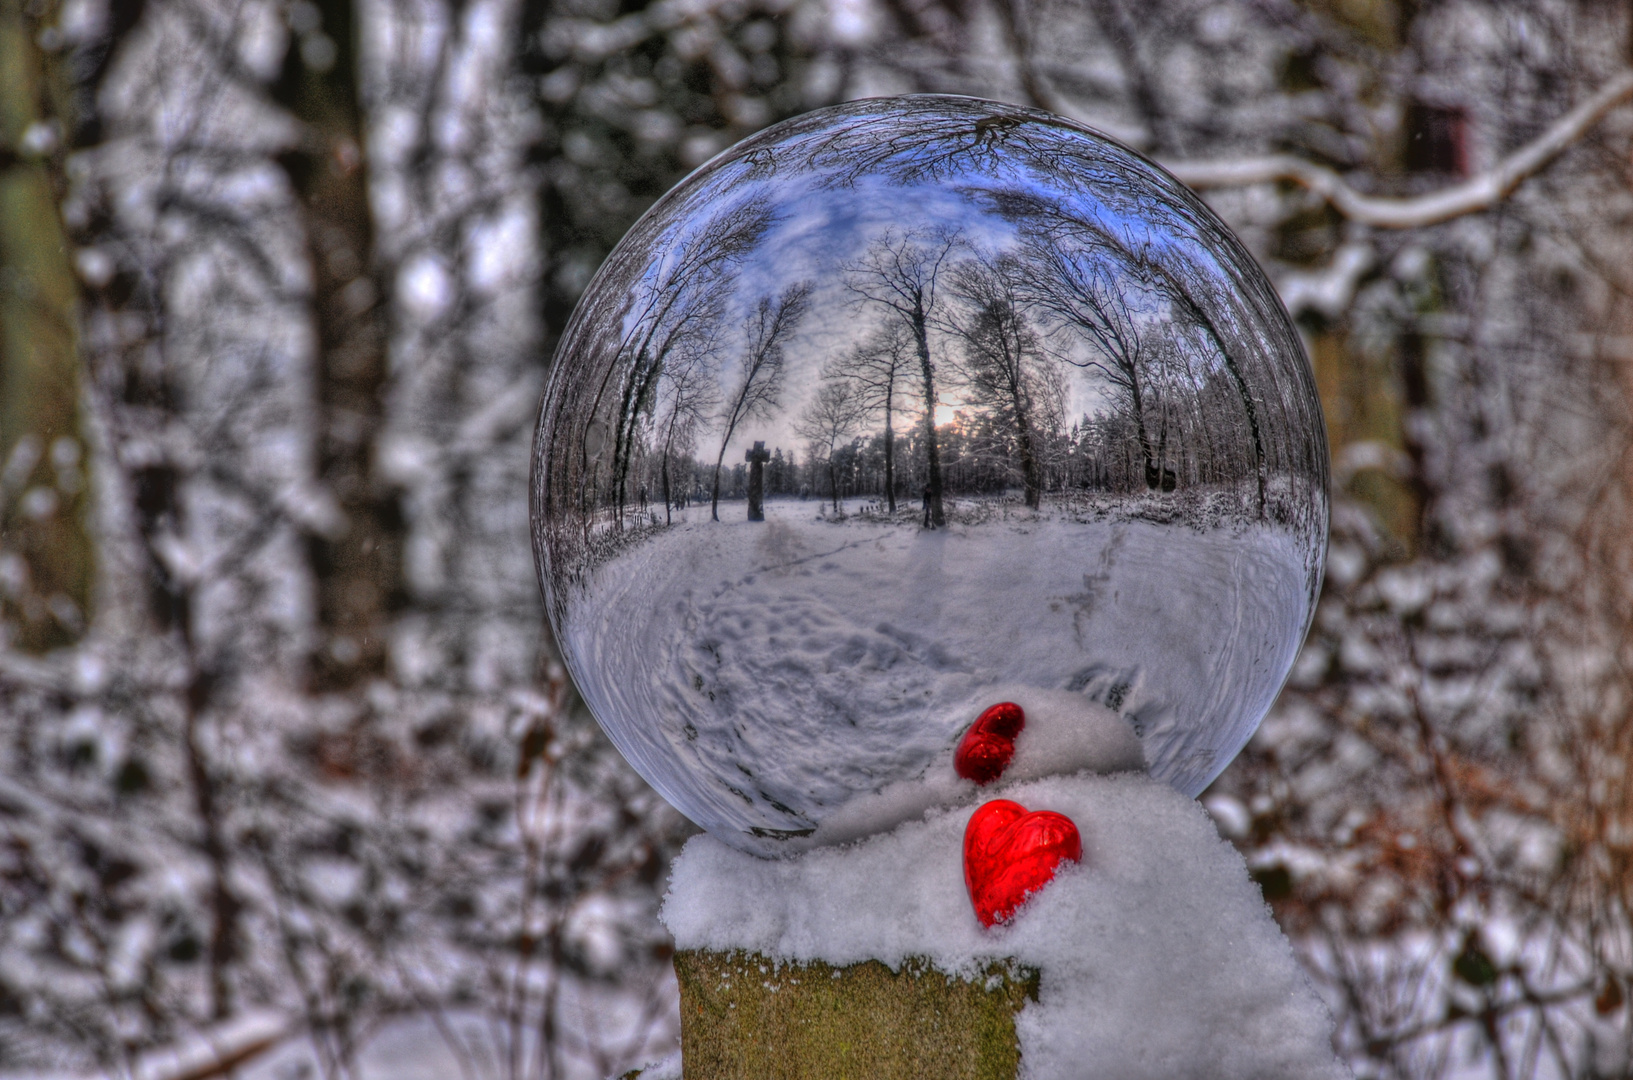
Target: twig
{"x": 216, "y": 1053}
{"x": 1475, "y": 194}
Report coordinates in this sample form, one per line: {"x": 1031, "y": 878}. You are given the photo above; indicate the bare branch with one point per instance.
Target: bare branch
{"x": 1473, "y": 195}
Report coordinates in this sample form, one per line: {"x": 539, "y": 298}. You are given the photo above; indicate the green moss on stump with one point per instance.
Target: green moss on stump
{"x": 744, "y": 1018}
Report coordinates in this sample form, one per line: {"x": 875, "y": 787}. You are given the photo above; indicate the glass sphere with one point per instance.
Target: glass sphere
{"x": 903, "y": 401}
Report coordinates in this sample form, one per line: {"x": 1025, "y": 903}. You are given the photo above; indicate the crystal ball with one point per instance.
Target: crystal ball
{"x": 903, "y": 404}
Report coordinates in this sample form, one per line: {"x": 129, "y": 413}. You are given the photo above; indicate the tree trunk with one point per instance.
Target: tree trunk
{"x": 1147, "y": 455}
{"x": 641, "y": 381}
{"x": 667, "y": 501}
{"x": 1029, "y": 459}
{"x": 358, "y": 571}
{"x": 1030, "y": 473}
{"x": 43, "y": 492}
{"x": 714, "y": 500}
{"x": 932, "y": 453}
{"x": 890, "y": 461}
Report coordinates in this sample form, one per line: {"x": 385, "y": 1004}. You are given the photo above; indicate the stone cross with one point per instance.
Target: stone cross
{"x": 756, "y": 459}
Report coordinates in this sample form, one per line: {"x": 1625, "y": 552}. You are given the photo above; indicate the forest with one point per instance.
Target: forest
{"x": 291, "y": 773}
{"x": 865, "y": 432}
{"x": 1176, "y": 367}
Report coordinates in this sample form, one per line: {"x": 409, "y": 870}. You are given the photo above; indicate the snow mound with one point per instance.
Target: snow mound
{"x": 1157, "y": 955}
{"x": 1064, "y": 733}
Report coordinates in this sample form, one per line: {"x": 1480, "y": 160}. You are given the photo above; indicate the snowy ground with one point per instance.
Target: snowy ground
{"x": 1157, "y": 954}
{"x": 449, "y": 1045}
{"x": 763, "y": 675}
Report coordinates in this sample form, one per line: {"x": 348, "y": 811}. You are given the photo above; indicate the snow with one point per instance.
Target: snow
{"x": 1064, "y": 733}
{"x": 1157, "y": 955}
{"x": 766, "y": 676}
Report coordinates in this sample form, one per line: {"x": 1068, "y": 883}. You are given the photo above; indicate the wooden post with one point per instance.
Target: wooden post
{"x": 744, "y": 1017}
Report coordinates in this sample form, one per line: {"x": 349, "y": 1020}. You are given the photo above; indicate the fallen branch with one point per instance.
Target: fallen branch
{"x": 1475, "y": 194}
{"x": 218, "y": 1052}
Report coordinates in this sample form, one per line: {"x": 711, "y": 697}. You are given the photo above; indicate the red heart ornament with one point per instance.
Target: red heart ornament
{"x": 1010, "y": 853}
{"x": 987, "y": 747}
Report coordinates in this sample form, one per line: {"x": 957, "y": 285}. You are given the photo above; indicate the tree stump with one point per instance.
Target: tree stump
{"x": 745, "y": 1017}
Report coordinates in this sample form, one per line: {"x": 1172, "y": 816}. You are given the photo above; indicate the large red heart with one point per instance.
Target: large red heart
{"x": 987, "y": 747}
{"x": 1011, "y": 853}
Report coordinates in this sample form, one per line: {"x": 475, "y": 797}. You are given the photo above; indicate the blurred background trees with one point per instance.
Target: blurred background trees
{"x": 286, "y": 754}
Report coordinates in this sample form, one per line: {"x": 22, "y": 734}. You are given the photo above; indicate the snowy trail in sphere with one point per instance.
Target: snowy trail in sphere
{"x": 802, "y": 661}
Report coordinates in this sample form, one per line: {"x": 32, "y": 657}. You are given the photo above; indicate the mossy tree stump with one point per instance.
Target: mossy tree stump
{"x": 745, "y": 1017}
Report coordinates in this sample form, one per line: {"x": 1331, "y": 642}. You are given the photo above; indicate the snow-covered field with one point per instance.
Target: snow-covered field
{"x": 763, "y": 675}
{"x": 1157, "y": 954}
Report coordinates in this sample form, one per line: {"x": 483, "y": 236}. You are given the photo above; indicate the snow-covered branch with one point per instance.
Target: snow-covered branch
{"x": 1477, "y": 193}
{"x": 590, "y": 41}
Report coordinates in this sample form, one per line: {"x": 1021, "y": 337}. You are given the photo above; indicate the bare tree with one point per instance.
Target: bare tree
{"x": 878, "y": 367}
{"x": 1004, "y": 365}
{"x": 832, "y": 417}
{"x": 1082, "y": 291}
{"x": 691, "y": 387}
{"x": 900, "y": 272}
{"x": 679, "y": 303}
{"x": 760, "y": 372}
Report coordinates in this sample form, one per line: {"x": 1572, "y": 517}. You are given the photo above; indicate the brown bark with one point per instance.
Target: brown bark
{"x": 358, "y": 570}
{"x": 935, "y": 517}
{"x": 46, "y": 560}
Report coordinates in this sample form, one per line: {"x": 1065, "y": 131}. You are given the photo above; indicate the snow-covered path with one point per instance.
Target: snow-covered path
{"x": 761, "y": 675}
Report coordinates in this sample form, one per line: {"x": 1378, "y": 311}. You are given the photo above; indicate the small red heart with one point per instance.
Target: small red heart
{"x": 1010, "y": 853}
{"x": 987, "y": 747}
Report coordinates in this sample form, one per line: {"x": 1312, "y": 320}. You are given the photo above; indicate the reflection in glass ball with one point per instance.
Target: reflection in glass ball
{"x": 902, "y": 401}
